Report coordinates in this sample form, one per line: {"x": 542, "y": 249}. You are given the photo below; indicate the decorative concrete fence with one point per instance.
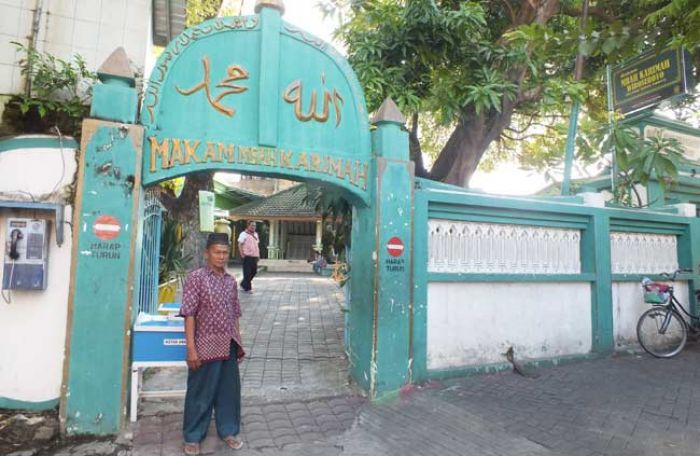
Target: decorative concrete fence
{"x": 554, "y": 278}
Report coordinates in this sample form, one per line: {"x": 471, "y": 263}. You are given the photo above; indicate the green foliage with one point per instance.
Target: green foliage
{"x": 640, "y": 161}
{"x": 173, "y": 260}
{"x": 681, "y": 16}
{"x": 198, "y": 11}
{"x": 60, "y": 91}
{"x": 335, "y": 210}
{"x": 498, "y": 74}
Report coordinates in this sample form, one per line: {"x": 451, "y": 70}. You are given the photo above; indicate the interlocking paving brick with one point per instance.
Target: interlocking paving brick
{"x": 619, "y": 406}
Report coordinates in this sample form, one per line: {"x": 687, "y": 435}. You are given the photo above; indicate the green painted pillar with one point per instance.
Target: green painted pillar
{"x": 655, "y": 194}
{"x": 689, "y": 257}
{"x": 394, "y": 252}
{"x": 93, "y": 392}
{"x": 595, "y": 245}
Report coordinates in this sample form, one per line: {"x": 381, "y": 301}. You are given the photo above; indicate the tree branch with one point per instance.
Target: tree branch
{"x": 600, "y": 13}
{"x": 511, "y": 11}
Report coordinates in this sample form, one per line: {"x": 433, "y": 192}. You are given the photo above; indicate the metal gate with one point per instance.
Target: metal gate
{"x": 152, "y": 223}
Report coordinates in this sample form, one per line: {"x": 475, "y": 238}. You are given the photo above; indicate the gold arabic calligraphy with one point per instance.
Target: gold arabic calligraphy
{"x": 233, "y": 73}
{"x": 294, "y": 95}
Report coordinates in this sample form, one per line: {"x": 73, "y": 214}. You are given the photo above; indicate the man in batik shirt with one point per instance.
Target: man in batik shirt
{"x": 211, "y": 309}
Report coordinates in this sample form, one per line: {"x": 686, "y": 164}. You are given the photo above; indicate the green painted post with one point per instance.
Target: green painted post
{"x": 93, "y": 393}
{"x": 360, "y": 315}
{"x": 689, "y": 257}
{"x": 655, "y": 194}
{"x": 394, "y": 249}
{"x": 595, "y": 248}
{"x": 419, "y": 333}
{"x": 570, "y": 143}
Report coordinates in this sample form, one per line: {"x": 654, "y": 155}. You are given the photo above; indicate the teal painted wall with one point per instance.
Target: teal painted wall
{"x": 438, "y": 201}
{"x": 12, "y": 404}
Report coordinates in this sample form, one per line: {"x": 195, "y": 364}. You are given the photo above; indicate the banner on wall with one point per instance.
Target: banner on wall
{"x": 206, "y": 211}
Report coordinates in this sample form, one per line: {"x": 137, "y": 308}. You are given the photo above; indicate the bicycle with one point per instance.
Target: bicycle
{"x": 662, "y": 331}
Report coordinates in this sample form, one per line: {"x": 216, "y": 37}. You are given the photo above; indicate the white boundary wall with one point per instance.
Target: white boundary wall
{"x": 475, "y": 323}
{"x": 33, "y": 325}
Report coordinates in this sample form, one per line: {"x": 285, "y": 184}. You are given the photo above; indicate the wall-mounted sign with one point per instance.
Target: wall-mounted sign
{"x": 395, "y": 247}
{"x": 259, "y": 96}
{"x": 649, "y": 79}
{"x": 106, "y": 227}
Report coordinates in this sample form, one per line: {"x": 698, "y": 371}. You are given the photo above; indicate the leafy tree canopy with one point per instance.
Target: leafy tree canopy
{"x": 498, "y": 74}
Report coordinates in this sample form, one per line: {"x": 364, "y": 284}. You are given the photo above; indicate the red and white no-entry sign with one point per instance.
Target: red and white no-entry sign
{"x": 395, "y": 247}
{"x": 106, "y": 227}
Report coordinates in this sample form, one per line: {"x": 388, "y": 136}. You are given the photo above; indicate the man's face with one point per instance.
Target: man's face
{"x": 217, "y": 256}
{"x": 251, "y": 227}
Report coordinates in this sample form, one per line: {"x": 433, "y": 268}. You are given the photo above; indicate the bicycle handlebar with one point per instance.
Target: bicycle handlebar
{"x": 672, "y": 276}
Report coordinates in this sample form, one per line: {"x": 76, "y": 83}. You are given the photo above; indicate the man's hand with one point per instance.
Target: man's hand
{"x": 193, "y": 361}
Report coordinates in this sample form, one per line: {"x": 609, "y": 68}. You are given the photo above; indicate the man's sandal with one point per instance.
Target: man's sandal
{"x": 233, "y": 442}
{"x": 191, "y": 449}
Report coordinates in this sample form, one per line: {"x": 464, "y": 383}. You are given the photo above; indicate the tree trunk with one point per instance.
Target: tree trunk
{"x": 460, "y": 157}
{"x": 185, "y": 210}
{"x": 468, "y": 143}
{"x": 415, "y": 151}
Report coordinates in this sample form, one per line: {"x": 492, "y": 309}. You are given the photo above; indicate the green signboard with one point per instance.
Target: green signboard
{"x": 649, "y": 79}
{"x": 256, "y": 95}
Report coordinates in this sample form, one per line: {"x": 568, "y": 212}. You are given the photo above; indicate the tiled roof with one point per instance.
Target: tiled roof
{"x": 294, "y": 202}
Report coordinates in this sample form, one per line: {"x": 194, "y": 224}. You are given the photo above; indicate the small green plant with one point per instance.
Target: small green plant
{"x": 59, "y": 96}
{"x": 640, "y": 160}
{"x": 173, "y": 261}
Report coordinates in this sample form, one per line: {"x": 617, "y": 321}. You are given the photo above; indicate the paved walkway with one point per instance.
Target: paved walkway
{"x": 297, "y": 401}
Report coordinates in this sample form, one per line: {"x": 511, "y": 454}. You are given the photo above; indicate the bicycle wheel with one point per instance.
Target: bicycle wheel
{"x": 662, "y": 332}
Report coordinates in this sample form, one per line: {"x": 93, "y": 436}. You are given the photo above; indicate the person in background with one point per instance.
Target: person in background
{"x": 212, "y": 311}
{"x": 250, "y": 253}
{"x": 319, "y": 263}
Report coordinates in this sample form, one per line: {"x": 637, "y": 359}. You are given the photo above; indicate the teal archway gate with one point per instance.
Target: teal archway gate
{"x": 253, "y": 95}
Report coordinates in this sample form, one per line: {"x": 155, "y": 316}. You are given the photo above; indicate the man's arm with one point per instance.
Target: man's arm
{"x": 241, "y": 240}
{"x": 193, "y": 361}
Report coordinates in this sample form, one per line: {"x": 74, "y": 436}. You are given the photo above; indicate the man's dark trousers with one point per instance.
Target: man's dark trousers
{"x": 215, "y": 385}
{"x": 250, "y": 268}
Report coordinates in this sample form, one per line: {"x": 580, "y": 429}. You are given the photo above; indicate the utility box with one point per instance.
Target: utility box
{"x": 158, "y": 338}
{"x": 26, "y": 254}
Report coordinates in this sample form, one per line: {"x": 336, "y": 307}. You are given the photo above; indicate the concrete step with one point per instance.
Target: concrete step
{"x": 301, "y": 266}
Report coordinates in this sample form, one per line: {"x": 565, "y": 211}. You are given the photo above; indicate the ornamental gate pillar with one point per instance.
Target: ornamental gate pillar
{"x": 105, "y": 228}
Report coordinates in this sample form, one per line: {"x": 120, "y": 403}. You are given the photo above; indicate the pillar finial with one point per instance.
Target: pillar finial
{"x": 276, "y": 4}
{"x": 389, "y": 112}
{"x": 116, "y": 67}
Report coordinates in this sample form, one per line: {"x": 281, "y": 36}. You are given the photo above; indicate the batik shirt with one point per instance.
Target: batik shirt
{"x": 212, "y": 299}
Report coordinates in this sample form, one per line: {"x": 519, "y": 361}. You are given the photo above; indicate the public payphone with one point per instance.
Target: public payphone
{"x": 26, "y": 252}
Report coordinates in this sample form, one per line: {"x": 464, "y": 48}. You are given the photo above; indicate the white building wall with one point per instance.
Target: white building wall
{"x": 33, "y": 324}
{"x": 475, "y": 323}
{"x": 91, "y": 28}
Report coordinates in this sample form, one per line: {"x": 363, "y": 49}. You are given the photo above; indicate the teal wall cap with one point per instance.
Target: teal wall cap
{"x": 13, "y": 404}
{"x": 37, "y": 142}
{"x": 114, "y": 102}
